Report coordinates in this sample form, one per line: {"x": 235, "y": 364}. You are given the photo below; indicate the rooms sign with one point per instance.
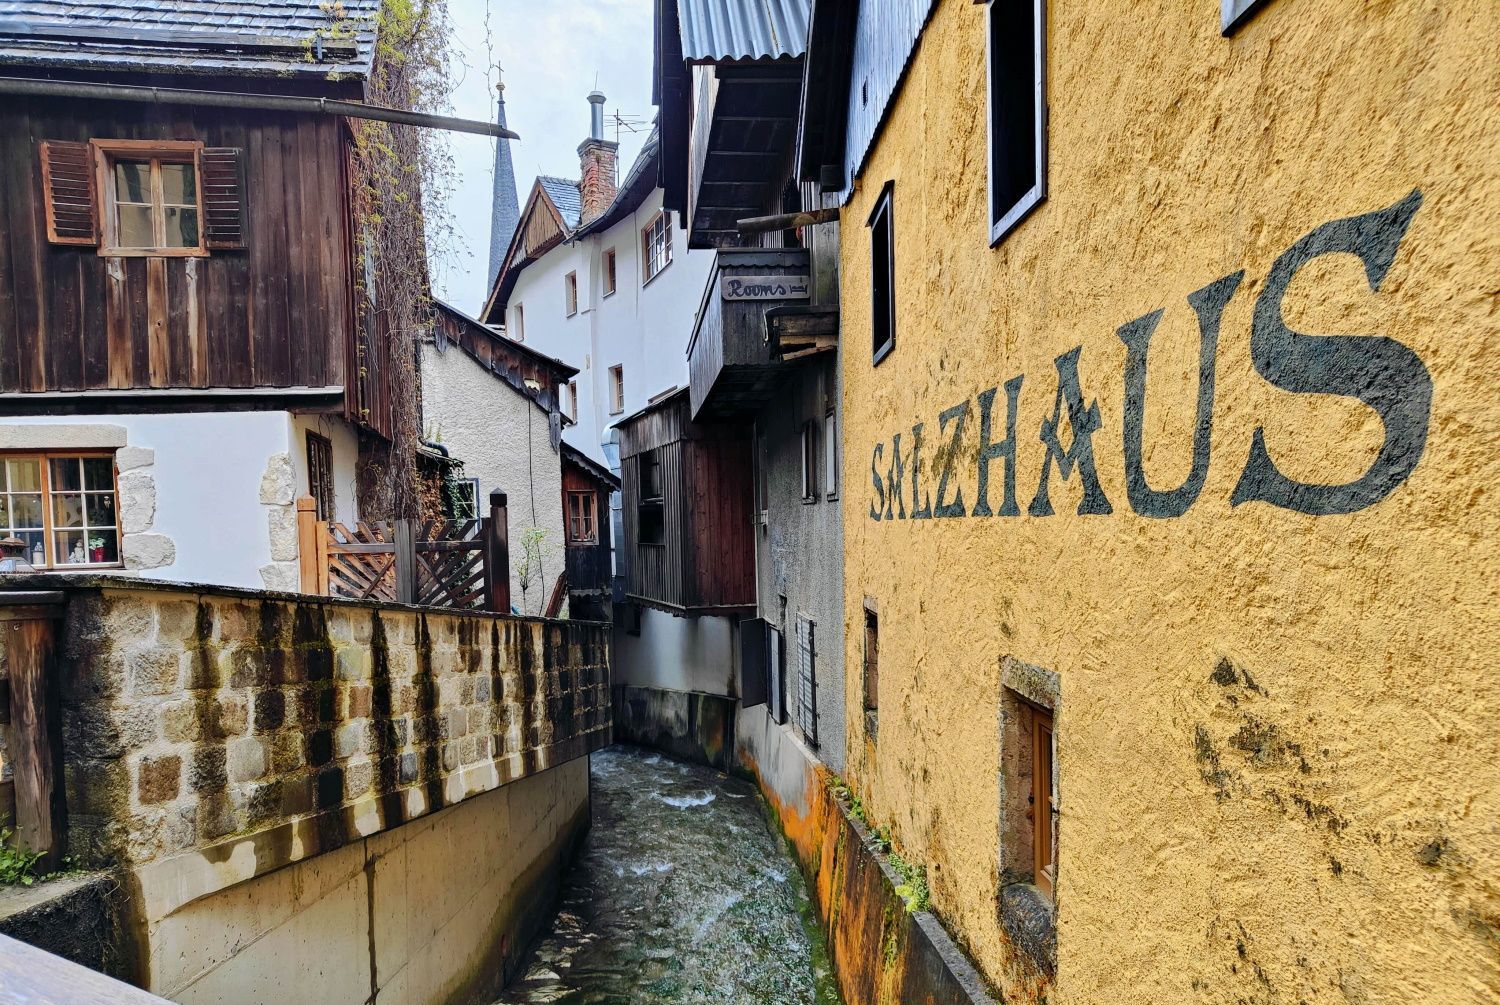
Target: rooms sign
{"x": 765, "y": 287}
{"x": 1377, "y": 370}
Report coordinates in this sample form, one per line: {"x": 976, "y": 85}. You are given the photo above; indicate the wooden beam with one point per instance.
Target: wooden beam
{"x": 788, "y": 221}
{"x": 33, "y": 739}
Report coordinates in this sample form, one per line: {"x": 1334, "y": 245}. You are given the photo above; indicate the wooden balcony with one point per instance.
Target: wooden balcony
{"x": 754, "y": 319}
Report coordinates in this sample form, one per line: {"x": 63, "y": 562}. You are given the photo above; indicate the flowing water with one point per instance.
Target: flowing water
{"x": 682, "y": 895}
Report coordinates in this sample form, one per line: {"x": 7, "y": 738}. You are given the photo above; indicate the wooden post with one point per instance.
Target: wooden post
{"x": 29, "y": 622}
{"x": 406, "y": 563}
{"x": 308, "y": 552}
{"x": 497, "y": 555}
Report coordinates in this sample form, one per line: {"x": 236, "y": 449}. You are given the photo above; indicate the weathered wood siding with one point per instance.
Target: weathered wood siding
{"x": 276, "y": 314}
{"x": 707, "y": 556}
{"x": 588, "y": 565}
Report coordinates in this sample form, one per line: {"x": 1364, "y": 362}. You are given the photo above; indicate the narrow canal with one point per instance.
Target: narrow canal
{"x": 682, "y": 895}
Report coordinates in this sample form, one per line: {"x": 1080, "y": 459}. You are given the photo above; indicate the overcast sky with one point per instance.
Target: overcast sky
{"x": 554, "y": 52}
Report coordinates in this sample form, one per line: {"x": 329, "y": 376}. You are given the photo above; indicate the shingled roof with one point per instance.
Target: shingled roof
{"x": 297, "y": 38}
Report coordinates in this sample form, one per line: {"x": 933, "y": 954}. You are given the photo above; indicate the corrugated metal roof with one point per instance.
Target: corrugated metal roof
{"x": 565, "y": 196}
{"x": 716, "y": 31}
{"x": 250, "y": 37}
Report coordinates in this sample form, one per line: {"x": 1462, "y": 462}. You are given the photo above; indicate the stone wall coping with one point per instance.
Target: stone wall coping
{"x": 102, "y": 581}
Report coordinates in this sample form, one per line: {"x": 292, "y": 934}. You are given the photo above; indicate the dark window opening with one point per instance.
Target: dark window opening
{"x": 871, "y": 667}
{"x": 882, "y": 277}
{"x": 1018, "y": 148}
{"x": 320, "y": 474}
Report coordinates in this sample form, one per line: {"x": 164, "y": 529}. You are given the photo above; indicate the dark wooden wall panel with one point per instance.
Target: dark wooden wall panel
{"x": 273, "y": 315}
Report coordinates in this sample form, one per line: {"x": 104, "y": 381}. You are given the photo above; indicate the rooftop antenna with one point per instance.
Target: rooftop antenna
{"x": 628, "y": 123}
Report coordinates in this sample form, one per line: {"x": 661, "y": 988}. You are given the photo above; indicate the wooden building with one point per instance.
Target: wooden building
{"x": 687, "y": 498}
{"x": 180, "y": 284}
{"x": 587, "y": 487}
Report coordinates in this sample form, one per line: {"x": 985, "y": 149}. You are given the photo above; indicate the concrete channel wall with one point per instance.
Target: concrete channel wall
{"x": 309, "y": 800}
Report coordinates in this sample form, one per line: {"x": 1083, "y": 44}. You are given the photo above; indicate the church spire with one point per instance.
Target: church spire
{"x": 505, "y": 212}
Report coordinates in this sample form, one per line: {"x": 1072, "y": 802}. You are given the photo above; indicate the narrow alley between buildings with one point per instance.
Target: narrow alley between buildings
{"x": 681, "y": 894}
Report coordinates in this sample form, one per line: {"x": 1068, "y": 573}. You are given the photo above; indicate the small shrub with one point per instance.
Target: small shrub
{"x": 17, "y": 868}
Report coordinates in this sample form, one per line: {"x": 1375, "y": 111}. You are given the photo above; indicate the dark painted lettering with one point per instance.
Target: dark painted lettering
{"x": 921, "y": 509}
{"x": 1084, "y": 422}
{"x": 879, "y": 504}
{"x": 958, "y": 415}
{"x": 1006, "y": 448}
{"x": 894, "y": 477}
{"x": 1208, "y": 303}
{"x": 1376, "y": 369}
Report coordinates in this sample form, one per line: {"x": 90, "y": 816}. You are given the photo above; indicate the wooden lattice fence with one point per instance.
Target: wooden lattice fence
{"x": 461, "y": 564}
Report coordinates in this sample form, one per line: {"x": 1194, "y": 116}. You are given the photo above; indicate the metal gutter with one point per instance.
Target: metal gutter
{"x": 234, "y": 99}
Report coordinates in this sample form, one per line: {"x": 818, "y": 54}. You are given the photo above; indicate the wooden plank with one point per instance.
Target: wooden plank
{"x": 120, "y": 349}
{"x": 178, "y": 347}
{"x": 139, "y": 322}
{"x": 158, "y": 346}
{"x": 39, "y": 821}
{"x": 38, "y": 978}
{"x": 95, "y": 321}
{"x": 197, "y": 324}
{"x": 274, "y": 366}
{"x": 11, "y": 196}
{"x": 301, "y": 257}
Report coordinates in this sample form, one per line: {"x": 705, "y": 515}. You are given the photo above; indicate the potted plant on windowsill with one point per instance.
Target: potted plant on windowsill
{"x": 96, "y": 548}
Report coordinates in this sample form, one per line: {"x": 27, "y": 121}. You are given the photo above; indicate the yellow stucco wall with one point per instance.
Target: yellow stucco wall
{"x": 1322, "y": 827}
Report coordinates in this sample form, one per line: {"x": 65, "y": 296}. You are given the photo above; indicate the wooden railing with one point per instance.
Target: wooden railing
{"x": 461, "y": 564}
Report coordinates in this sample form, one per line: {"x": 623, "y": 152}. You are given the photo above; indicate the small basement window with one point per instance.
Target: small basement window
{"x": 1017, "y": 112}
{"x": 882, "y": 277}
{"x": 62, "y": 507}
{"x": 152, "y": 203}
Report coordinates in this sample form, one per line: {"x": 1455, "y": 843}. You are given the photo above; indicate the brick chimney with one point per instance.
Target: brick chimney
{"x": 597, "y": 158}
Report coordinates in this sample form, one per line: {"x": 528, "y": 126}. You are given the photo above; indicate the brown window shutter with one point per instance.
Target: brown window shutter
{"x": 222, "y": 174}
{"x": 68, "y": 191}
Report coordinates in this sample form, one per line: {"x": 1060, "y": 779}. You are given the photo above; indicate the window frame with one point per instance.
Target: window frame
{"x": 648, "y": 258}
{"x": 617, "y": 389}
{"x": 519, "y": 315}
{"x": 157, "y": 152}
{"x": 1234, "y": 13}
{"x": 1044, "y": 805}
{"x": 611, "y": 272}
{"x": 809, "y": 449}
{"x": 883, "y": 215}
{"x": 573, "y": 400}
{"x": 473, "y": 485}
{"x": 1018, "y": 211}
{"x": 870, "y": 667}
{"x": 314, "y": 488}
{"x": 49, "y": 529}
{"x": 570, "y": 293}
{"x": 589, "y": 515}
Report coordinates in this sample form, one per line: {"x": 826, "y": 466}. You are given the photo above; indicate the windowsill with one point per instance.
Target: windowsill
{"x": 647, "y": 282}
{"x": 882, "y": 353}
{"x": 809, "y": 500}
{"x": 607, "y": 294}
{"x": 1030, "y": 919}
{"x": 153, "y": 252}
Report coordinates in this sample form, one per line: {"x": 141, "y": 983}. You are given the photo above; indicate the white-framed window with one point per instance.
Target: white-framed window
{"x": 1233, "y": 13}
{"x": 463, "y": 499}
{"x": 611, "y": 281}
{"x": 616, "y": 389}
{"x": 151, "y": 198}
{"x": 518, "y": 323}
{"x": 570, "y": 293}
{"x": 583, "y": 517}
{"x": 573, "y": 400}
{"x": 656, "y": 245}
{"x": 882, "y": 276}
{"x": 62, "y": 506}
{"x": 1017, "y": 47}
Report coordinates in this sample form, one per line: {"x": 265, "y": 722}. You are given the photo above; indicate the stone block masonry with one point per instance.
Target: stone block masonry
{"x": 211, "y": 736}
